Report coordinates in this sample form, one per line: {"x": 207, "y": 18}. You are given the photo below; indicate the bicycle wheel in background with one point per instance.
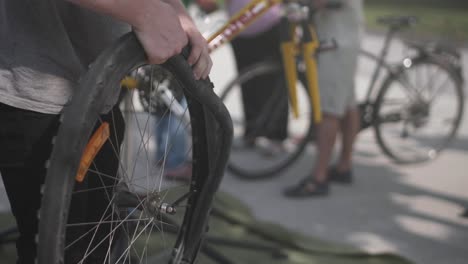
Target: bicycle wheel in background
{"x": 418, "y": 111}
{"x": 124, "y": 210}
{"x": 366, "y": 82}
{"x": 255, "y": 153}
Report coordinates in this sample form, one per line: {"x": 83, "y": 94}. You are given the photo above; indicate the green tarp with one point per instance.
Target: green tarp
{"x": 235, "y": 236}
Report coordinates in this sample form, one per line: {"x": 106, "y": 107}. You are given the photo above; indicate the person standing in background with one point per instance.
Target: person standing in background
{"x": 336, "y": 72}
{"x": 259, "y": 42}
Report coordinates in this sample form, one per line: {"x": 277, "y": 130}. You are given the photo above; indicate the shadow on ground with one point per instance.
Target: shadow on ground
{"x": 381, "y": 212}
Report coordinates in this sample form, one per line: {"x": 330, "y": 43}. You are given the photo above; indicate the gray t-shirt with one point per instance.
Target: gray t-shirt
{"x": 45, "y": 45}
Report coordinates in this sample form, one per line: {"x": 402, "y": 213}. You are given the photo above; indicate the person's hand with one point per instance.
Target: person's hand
{"x": 163, "y": 27}
{"x": 160, "y": 32}
{"x": 199, "y": 57}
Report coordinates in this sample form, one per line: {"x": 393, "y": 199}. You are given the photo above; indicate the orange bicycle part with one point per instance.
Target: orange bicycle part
{"x": 92, "y": 149}
{"x": 129, "y": 82}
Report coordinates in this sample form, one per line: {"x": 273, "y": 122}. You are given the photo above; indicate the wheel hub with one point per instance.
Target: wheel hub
{"x": 154, "y": 205}
{"x": 419, "y": 114}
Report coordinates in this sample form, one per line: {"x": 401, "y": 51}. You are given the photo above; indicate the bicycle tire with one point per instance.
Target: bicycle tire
{"x": 125, "y": 201}
{"x": 250, "y": 161}
{"x": 406, "y": 147}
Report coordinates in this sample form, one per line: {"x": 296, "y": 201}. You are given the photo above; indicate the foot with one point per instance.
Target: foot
{"x": 270, "y": 147}
{"x": 180, "y": 173}
{"x": 307, "y": 187}
{"x": 345, "y": 177}
{"x": 465, "y": 213}
{"x": 242, "y": 143}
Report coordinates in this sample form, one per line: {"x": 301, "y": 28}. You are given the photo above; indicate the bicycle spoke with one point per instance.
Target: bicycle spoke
{"x": 419, "y": 113}
{"x": 438, "y": 89}
{"x": 126, "y": 210}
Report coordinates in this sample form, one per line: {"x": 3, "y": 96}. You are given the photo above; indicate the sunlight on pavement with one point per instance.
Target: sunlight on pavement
{"x": 432, "y": 208}
{"x": 425, "y": 228}
{"x": 445, "y": 175}
{"x": 372, "y": 243}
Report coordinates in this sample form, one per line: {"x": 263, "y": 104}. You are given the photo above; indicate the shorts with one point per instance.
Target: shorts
{"x": 336, "y": 70}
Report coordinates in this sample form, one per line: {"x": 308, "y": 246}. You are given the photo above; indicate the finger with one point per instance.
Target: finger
{"x": 180, "y": 43}
{"x": 207, "y": 70}
{"x": 202, "y": 67}
{"x": 198, "y": 69}
{"x": 195, "y": 54}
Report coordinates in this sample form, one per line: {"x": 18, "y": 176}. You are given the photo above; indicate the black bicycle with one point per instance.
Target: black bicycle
{"x": 129, "y": 212}
{"x": 415, "y": 107}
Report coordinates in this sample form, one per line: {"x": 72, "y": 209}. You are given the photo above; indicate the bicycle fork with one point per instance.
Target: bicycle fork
{"x": 307, "y": 48}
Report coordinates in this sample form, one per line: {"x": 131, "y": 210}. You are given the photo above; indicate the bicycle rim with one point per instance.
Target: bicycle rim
{"x": 274, "y": 138}
{"x": 130, "y": 211}
{"x": 418, "y": 111}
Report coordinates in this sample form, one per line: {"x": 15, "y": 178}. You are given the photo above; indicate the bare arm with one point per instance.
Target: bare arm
{"x": 162, "y": 26}
{"x": 199, "y": 56}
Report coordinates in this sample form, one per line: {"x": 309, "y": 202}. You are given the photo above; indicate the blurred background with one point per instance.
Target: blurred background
{"x": 443, "y": 20}
{"x": 411, "y": 210}
{"x": 414, "y": 211}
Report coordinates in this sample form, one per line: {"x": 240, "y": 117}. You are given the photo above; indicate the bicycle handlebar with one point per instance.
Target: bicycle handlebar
{"x": 397, "y": 22}
{"x": 328, "y": 5}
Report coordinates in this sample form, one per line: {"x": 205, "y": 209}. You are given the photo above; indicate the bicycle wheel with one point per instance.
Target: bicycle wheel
{"x": 366, "y": 80}
{"x": 418, "y": 110}
{"x": 257, "y": 151}
{"x": 124, "y": 210}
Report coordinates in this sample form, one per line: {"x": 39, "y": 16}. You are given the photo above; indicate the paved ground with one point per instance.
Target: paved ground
{"x": 411, "y": 210}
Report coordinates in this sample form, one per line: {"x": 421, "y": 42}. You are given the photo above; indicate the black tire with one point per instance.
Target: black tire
{"x": 132, "y": 228}
{"x": 254, "y": 159}
{"x": 418, "y": 110}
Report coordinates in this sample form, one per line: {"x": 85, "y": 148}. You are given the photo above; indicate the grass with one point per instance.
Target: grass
{"x": 434, "y": 22}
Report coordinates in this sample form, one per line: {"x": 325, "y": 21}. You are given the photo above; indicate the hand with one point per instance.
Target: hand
{"x": 160, "y": 32}
{"x": 163, "y": 27}
{"x": 199, "y": 57}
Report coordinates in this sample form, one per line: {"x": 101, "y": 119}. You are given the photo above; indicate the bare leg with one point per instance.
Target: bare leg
{"x": 326, "y": 137}
{"x": 316, "y": 184}
{"x": 349, "y": 129}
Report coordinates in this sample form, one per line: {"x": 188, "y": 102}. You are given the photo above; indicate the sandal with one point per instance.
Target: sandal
{"x": 465, "y": 213}
{"x": 307, "y": 187}
{"x": 345, "y": 177}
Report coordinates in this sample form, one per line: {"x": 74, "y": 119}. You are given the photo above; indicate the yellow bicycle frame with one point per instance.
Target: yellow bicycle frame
{"x": 237, "y": 24}
{"x": 289, "y": 50}
{"x": 307, "y": 48}
{"x": 240, "y": 21}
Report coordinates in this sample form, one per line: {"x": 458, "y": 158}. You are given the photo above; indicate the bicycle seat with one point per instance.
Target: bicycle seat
{"x": 397, "y": 21}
